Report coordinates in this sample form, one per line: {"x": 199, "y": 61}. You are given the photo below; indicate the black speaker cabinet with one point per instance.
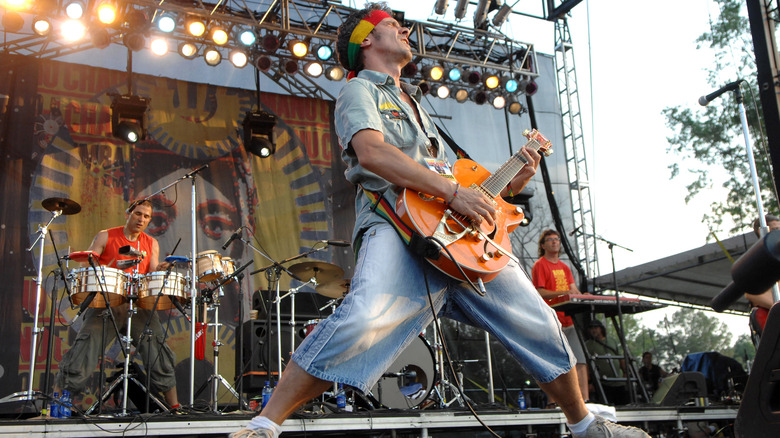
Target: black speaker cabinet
{"x": 677, "y": 389}
{"x": 258, "y": 365}
{"x": 759, "y": 413}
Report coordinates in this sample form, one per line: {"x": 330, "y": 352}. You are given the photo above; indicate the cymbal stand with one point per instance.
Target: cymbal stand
{"x": 291, "y": 293}
{"x": 53, "y": 311}
{"x": 443, "y": 384}
{"x": 29, "y": 394}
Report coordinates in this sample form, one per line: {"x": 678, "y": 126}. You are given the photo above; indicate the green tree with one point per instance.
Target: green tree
{"x": 743, "y": 350}
{"x": 713, "y": 138}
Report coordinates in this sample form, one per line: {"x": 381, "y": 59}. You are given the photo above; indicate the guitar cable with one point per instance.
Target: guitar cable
{"x": 437, "y": 327}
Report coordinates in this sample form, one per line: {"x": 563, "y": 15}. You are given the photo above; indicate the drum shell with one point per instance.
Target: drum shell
{"x": 209, "y": 266}
{"x": 85, "y": 281}
{"x": 175, "y": 289}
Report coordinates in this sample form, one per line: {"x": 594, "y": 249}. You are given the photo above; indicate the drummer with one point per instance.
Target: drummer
{"x": 80, "y": 361}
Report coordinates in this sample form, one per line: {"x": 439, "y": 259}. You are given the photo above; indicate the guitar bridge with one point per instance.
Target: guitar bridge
{"x": 445, "y": 233}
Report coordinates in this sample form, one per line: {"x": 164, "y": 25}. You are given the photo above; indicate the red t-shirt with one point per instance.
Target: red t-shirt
{"x": 555, "y": 277}
{"x": 117, "y": 239}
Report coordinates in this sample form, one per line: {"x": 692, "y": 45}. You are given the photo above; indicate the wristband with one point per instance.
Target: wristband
{"x": 452, "y": 198}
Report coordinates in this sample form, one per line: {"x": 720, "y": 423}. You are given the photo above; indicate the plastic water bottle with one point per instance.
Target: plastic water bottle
{"x": 54, "y": 406}
{"x": 521, "y": 400}
{"x": 267, "y": 391}
{"x": 341, "y": 397}
{"x": 65, "y": 409}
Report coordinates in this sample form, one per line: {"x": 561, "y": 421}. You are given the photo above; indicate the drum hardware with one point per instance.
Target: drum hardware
{"x": 57, "y": 207}
{"x": 409, "y": 380}
{"x": 443, "y": 385}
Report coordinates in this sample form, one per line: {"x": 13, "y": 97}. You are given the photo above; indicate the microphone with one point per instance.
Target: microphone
{"x": 574, "y": 231}
{"x": 181, "y": 309}
{"x": 85, "y": 304}
{"x": 235, "y": 236}
{"x": 130, "y": 251}
{"x": 335, "y": 242}
{"x": 704, "y": 100}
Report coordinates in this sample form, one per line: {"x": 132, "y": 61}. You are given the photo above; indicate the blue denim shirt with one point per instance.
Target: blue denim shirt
{"x": 372, "y": 101}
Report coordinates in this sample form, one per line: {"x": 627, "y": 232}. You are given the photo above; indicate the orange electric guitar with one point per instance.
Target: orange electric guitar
{"x": 481, "y": 251}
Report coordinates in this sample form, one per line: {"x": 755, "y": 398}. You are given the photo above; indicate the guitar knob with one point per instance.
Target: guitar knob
{"x": 518, "y": 210}
{"x": 487, "y": 256}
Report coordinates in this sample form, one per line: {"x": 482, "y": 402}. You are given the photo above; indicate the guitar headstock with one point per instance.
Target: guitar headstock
{"x": 544, "y": 145}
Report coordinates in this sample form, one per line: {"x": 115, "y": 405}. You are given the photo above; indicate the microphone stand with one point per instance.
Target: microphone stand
{"x": 53, "y": 313}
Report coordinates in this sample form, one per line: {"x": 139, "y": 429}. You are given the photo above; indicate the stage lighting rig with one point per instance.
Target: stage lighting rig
{"x": 259, "y": 133}
{"x": 127, "y": 117}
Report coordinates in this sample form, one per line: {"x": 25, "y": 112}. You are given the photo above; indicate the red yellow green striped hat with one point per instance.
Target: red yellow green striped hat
{"x": 360, "y": 33}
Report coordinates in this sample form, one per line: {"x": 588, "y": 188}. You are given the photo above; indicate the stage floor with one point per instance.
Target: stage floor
{"x": 659, "y": 421}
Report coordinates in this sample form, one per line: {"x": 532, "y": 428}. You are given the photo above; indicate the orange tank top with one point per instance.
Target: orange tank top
{"x": 116, "y": 240}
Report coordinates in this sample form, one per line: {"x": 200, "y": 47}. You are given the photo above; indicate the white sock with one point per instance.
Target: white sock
{"x": 260, "y": 422}
{"x": 582, "y": 425}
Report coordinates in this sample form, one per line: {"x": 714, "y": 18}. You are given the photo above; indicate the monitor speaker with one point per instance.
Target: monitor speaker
{"x": 258, "y": 365}
{"x": 678, "y": 389}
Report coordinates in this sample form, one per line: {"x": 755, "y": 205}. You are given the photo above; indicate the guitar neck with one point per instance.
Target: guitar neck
{"x": 501, "y": 177}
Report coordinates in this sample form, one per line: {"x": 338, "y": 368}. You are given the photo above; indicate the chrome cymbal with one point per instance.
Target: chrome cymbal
{"x": 65, "y": 205}
{"x": 322, "y": 271}
{"x": 334, "y": 289}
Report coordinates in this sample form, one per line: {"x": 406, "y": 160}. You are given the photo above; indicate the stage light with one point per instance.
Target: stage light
{"x": 212, "y": 56}
{"x": 313, "y": 69}
{"x": 259, "y": 133}
{"x": 159, "y": 46}
{"x": 289, "y": 66}
{"x": 409, "y": 70}
{"x": 335, "y": 73}
{"x": 298, "y": 48}
{"x": 461, "y": 95}
{"x": 479, "y": 97}
{"x": 491, "y": 82}
{"x": 510, "y": 84}
{"x": 502, "y": 15}
{"x": 424, "y": 87}
{"x": 134, "y": 41}
{"x": 17, "y": 5}
{"x": 12, "y": 22}
{"x": 528, "y": 86}
{"x": 441, "y": 91}
{"x": 72, "y": 30}
{"x": 188, "y": 50}
{"x": 441, "y": 7}
{"x": 167, "y": 22}
{"x": 473, "y": 77}
{"x": 74, "y": 10}
{"x": 263, "y": 63}
{"x": 137, "y": 21}
{"x": 238, "y": 58}
{"x": 454, "y": 74}
{"x": 513, "y": 106}
{"x": 324, "y": 52}
{"x": 127, "y": 117}
{"x": 106, "y": 13}
{"x": 219, "y": 36}
{"x": 99, "y": 36}
{"x": 460, "y": 9}
{"x": 41, "y": 26}
{"x": 270, "y": 43}
{"x": 433, "y": 72}
{"x": 196, "y": 27}
{"x": 247, "y": 37}
{"x": 498, "y": 101}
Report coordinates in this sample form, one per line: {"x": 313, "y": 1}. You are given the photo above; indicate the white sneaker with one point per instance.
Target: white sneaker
{"x": 601, "y": 428}
{"x": 251, "y": 433}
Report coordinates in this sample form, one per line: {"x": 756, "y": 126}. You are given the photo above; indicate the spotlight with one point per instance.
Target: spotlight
{"x": 137, "y": 21}
{"x": 72, "y": 30}
{"x": 12, "y": 22}
{"x": 127, "y": 117}
{"x": 460, "y": 9}
{"x": 74, "y": 10}
{"x": 334, "y": 73}
{"x": 41, "y": 26}
{"x": 196, "y": 27}
{"x": 433, "y": 72}
{"x": 510, "y": 84}
{"x": 461, "y": 95}
{"x": 188, "y": 50}
{"x": 324, "y": 52}
{"x": 424, "y": 87}
{"x": 441, "y": 91}
{"x": 313, "y": 69}
{"x": 159, "y": 46}
{"x": 166, "y": 23}
{"x": 238, "y": 58}
{"x": 480, "y": 15}
{"x": 491, "y": 82}
{"x": 270, "y": 43}
{"x": 409, "y": 70}
{"x": 100, "y": 37}
{"x": 247, "y": 37}
{"x": 528, "y": 86}
{"x": 134, "y": 41}
{"x": 298, "y": 48}
{"x": 441, "y": 7}
{"x": 263, "y": 63}
{"x": 513, "y": 106}
{"x": 502, "y": 15}
{"x": 479, "y": 97}
{"x": 259, "y": 133}
{"x": 212, "y": 56}
{"x": 498, "y": 101}
{"x": 106, "y": 13}
{"x": 473, "y": 77}
{"x": 219, "y": 36}
{"x": 289, "y": 66}
{"x": 454, "y": 74}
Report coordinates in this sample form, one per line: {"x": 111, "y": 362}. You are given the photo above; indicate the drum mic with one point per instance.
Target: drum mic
{"x": 409, "y": 375}
{"x": 130, "y": 251}
{"x": 85, "y": 304}
{"x": 335, "y": 242}
{"x": 181, "y": 308}
{"x": 235, "y": 236}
